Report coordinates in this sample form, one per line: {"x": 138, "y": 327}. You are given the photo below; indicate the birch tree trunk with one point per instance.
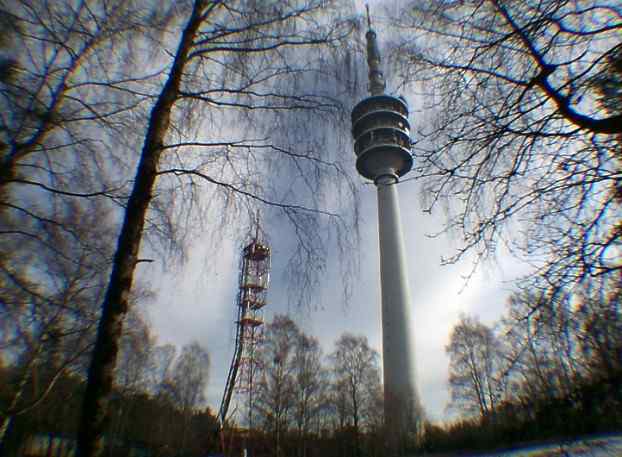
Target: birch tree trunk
{"x": 94, "y": 415}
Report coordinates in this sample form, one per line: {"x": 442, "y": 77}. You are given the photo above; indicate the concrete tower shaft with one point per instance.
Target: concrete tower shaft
{"x": 402, "y": 408}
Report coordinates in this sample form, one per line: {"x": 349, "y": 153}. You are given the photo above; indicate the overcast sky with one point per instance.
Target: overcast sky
{"x": 198, "y": 301}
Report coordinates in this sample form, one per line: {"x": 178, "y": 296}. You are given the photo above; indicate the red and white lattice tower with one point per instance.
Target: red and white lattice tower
{"x": 251, "y": 298}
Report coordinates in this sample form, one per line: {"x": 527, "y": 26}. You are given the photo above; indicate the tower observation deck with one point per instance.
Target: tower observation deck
{"x": 382, "y": 145}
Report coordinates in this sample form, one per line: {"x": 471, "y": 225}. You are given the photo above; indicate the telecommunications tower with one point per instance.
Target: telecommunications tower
{"x": 250, "y": 300}
{"x": 382, "y": 146}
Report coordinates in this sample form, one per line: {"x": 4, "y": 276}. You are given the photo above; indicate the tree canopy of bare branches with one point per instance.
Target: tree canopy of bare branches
{"x": 475, "y": 361}
{"x": 522, "y": 127}
{"x": 548, "y": 367}
{"x": 357, "y": 373}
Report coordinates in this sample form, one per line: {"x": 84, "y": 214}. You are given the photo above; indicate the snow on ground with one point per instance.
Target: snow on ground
{"x": 600, "y": 446}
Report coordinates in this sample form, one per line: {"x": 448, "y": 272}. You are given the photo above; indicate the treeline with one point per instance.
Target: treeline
{"x": 551, "y": 368}
{"x": 141, "y": 423}
{"x": 302, "y": 402}
{"x": 157, "y": 403}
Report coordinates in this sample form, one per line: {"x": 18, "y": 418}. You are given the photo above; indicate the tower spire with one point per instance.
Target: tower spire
{"x": 377, "y": 84}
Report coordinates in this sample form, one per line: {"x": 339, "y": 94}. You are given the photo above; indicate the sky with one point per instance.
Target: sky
{"x": 197, "y": 301}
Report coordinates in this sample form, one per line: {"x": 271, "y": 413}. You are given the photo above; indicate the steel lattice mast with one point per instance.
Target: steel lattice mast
{"x": 382, "y": 145}
{"x": 251, "y": 298}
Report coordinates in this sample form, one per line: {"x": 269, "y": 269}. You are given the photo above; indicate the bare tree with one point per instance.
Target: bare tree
{"x": 66, "y": 79}
{"x": 48, "y": 322}
{"x": 561, "y": 353}
{"x": 542, "y": 330}
{"x": 274, "y": 398}
{"x": 521, "y": 145}
{"x": 338, "y": 399}
{"x": 189, "y": 377}
{"x": 373, "y": 411}
{"x": 474, "y": 367}
{"x": 310, "y": 383}
{"x": 162, "y": 364}
{"x": 187, "y": 383}
{"x": 136, "y": 357}
{"x": 73, "y": 93}
{"x": 356, "y": 367}
{"x": 600, "y": 331}
{"x": 133, "y": 372}
{"x": 63, "y": 92}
